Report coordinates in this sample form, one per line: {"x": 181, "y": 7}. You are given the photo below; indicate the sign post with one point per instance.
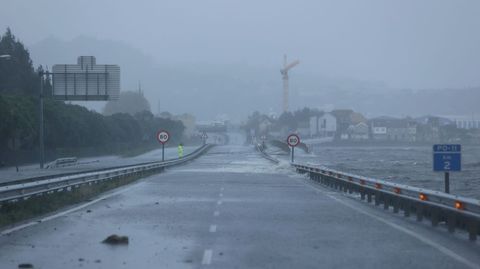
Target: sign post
{"x": 447, "y": 158}
{"x": 293, "y": 140}
{"x": 263, "y": 138}
{"x": 204, "y": 138}
{"x": 163, "y": 137}
{"x": 40, "y": 123}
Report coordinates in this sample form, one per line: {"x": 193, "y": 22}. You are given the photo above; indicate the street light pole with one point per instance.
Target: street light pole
{"x": 40, "y": 124}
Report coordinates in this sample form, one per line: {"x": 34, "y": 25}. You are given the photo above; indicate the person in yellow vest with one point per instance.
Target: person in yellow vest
{"x": 180, "y": 150}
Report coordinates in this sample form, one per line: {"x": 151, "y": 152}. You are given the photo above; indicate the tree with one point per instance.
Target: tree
{"x": 17, "y": 75}
{"x": 129, "y": 124}
{"x": 129, "y": 102}
{"x": 288, "y": 119}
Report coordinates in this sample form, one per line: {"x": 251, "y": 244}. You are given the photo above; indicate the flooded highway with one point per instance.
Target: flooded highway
{"x": 231, "y": 209}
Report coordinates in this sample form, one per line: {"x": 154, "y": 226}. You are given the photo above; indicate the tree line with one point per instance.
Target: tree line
{"x": 68, "y": 127}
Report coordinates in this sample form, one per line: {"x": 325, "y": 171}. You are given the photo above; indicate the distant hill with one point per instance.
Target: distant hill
{"x": 237, "y": 90}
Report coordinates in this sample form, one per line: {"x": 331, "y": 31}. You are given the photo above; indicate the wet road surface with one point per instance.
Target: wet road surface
{"x": 233, "y": 209}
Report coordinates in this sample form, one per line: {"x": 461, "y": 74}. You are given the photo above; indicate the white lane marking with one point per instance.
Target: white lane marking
{"x": 219, "y": 202}
{"x": 419, "y": 237}
{"x": 213, "y": 228}
{"x": 207, "y": 257}
{"x": 216, "y": 213}
{"x": 60, "y": 214}
{"x": 221, "y": 195}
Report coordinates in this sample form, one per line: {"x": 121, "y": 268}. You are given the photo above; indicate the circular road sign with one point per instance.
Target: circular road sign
{"x": 163, "y": 136}
{"x": 293, "y": 140}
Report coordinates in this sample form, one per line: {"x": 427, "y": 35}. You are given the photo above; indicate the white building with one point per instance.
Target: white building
{"x": 189, "y": 123}
{"x": 314, "y": 126}
{"x": 358, "y": 131}
{"x": 323, "y": 126}
{"x": 465, "y": 122}
{"x": 327, "y": 125}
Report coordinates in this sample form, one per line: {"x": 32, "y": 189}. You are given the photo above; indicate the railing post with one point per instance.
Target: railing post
{"x": 395, "y": 203}
{"x": 434, "y": 217}
{"x": 472, "y": 228}
{"x": 406, "y": 209}
{"x": 451, "y": 222}
{"x": 419, "y": 208}
{"x": 386, "y": 201}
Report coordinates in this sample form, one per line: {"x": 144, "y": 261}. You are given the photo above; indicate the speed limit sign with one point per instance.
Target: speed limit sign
{"x": 163, "y": 136}
{"x": 293, "y": 140}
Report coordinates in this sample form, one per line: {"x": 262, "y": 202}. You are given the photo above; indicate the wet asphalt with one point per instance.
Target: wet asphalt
{"x": 233, "y": 209}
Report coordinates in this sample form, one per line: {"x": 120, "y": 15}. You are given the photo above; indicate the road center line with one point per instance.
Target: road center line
{"x": 207, "y": 257}
{"x": 221, "y": 195}
{"x": 216, "y": 213}
{"x": 213, "y": 228}
{"x": 219, "y": 202}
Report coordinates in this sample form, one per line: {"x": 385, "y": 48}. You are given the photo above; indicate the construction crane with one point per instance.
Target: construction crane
{"x": 284, "y": 72}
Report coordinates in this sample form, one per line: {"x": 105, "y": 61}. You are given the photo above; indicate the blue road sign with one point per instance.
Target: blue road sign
{"x": 447, "y": 158}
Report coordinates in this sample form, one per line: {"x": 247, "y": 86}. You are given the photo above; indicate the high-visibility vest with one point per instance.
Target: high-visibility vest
{"x": 180, "y": 151}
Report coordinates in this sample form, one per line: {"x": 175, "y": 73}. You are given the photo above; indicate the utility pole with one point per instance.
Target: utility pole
{"x": 284, "y": 72}
{"x": 40, "y": 122}
{"x": 14, "y": 144}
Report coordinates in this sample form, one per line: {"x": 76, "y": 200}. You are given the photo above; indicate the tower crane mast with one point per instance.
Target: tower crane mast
{"x": 284, "y": 72}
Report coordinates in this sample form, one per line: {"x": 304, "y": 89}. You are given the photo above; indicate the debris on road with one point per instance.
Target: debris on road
{"x": 116, "y": 240}
{"x": 25, "y": 265}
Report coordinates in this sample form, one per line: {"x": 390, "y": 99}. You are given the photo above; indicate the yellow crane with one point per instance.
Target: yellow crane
{"x": 284, "y": 72}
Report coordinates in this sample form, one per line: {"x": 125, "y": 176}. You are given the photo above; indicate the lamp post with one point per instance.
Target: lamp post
{"x": 41, "y": 141}
{"x": 14, "y": 145}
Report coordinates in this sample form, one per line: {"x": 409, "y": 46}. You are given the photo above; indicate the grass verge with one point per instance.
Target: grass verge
{"x": 11, "y": 213}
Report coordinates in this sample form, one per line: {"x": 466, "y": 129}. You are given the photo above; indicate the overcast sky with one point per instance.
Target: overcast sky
{"x": 407, "y": 44}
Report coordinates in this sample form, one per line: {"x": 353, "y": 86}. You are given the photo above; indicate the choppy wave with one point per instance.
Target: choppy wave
{"x": 406, "y": 165}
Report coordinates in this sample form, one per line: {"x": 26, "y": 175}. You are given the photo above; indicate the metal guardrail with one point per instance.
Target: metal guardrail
{"x": 456, "y": 211}
{"x": 260, "y": 149}
{"x": 27, "y": 188}
{"x": 62, "y": 162}
{"x": 45, "y": 177}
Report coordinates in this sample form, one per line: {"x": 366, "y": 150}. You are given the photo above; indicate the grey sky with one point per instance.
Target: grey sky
{"x": 408, "y": 43}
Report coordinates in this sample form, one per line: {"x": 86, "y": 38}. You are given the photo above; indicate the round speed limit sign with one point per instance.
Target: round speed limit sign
{"x": 163, "y": 137}
{"x": 293, "y": 140}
